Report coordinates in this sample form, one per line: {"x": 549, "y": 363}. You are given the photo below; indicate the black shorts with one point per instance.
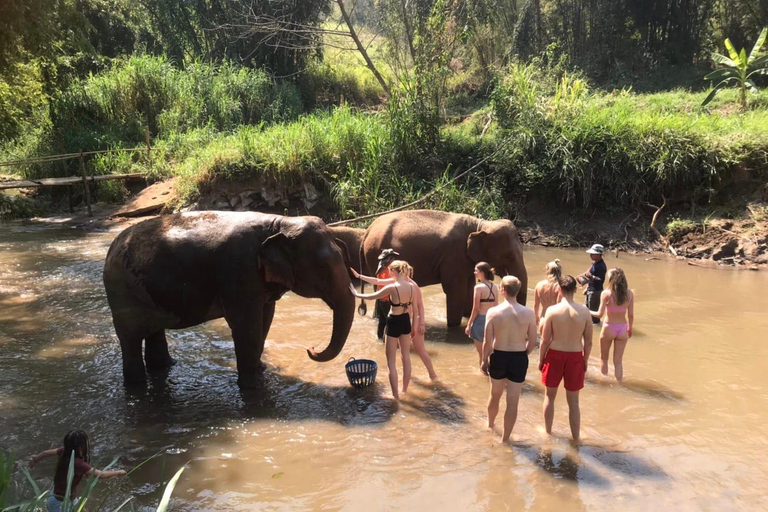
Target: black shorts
{"x": 398, "y": 325}
{"x": 508, "y": 365}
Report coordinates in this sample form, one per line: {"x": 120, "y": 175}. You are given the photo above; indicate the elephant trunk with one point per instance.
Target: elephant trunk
{"x": 517, "y": 269}
{"x": 343, "y": 306}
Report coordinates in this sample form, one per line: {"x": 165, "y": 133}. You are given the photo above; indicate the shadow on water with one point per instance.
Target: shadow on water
{"x": 650, "y": 388}
{"x": 570, "y": 467}
{"x": 441, "y": 405}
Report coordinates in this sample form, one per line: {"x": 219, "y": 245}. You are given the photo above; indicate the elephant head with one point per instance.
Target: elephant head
{"x": 303, "y": 257}
{"x": 497, "y": 243}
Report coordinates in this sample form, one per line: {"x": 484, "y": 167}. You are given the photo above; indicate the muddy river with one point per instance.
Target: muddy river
{"x": 687, "y": 431}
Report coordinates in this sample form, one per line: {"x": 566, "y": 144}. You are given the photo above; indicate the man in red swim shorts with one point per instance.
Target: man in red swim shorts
{"x": 566, "y": 342}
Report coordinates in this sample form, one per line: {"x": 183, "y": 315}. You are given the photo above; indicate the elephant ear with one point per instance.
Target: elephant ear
{"x": 476, "y": 246}
{"x": 275, "y": 260}
{"x": 344, "y": 251}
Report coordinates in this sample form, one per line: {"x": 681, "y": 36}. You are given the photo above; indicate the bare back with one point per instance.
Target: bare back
{"x": 488, "y": 297}
{"x": 511, "y": 325}
{"x": 547, "y": 294}
{"x": 567, "y": 323}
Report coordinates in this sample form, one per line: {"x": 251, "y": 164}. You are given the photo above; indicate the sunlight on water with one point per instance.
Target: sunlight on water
{"x": 686, "y": 431}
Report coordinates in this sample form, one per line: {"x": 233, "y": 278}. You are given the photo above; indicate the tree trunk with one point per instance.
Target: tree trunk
{"x": 361, "y": 48}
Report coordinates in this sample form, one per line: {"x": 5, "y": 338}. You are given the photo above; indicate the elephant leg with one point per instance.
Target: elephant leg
{"x": 269, "y": 315}
{"x": 245, "y": 315}
{"x": 133, "y": 364}
{"x": 468, "y": 296}
{"x": 455, "y": 301}
{"x": 156, "y": 353}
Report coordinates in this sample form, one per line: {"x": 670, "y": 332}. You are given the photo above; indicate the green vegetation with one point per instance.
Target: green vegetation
{"x": 739, "y": 69}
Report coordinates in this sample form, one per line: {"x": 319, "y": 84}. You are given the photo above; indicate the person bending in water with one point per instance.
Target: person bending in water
{"x": 75, "y": 442}
{"x": 566, "y": 342}
{"x": 398, "y": 328}
{"x": 418, "y": 327}
{"x": 617, "y": 309}
{"x": 547, "y": 291}
{"x": 485, "y": 297}
{"x": 510, "y": 335}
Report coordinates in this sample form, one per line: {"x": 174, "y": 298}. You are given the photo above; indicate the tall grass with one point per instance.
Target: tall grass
{"x": 589, "y": 149}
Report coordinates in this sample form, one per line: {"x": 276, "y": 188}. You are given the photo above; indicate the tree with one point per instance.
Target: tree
{"x": 739, "y": 68}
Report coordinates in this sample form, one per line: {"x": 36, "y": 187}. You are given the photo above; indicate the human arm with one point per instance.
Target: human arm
{"x": 537, "y": 304}
{"x": 487, "y": 343}
{"x": 381, "y": 292}
{"x": 587, "y": 336}
{"x": 546, "y": 340}
{"x": 630, "y": 313}
{"x": 603, "y": 303}
{"x": 43, "y": 455}
{"x": 371, "y": 280}
{"x": 419, "y": 317}
{"x": 475, "y": 309}
{"x": 531, "y": 335}
{"x": 103, "y": 475}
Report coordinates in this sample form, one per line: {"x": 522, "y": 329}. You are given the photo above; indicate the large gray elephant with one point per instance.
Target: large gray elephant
{"x": 181, "y": 270}
{"x": 444, "y": 247}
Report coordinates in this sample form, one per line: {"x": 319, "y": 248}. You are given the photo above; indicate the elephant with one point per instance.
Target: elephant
{"x": 349, "y": 241}
{"x": 443, "y": 248}
{"x": 178, "y": 271}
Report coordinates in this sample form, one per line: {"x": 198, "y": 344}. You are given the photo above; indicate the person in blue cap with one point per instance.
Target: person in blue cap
{"x": 594, "y": 279}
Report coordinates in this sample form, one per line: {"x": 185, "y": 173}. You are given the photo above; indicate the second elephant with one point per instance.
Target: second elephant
{"x": 444, "y": 247}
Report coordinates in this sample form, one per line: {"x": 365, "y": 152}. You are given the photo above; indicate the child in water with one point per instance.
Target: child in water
{"x": 76, "y": 441}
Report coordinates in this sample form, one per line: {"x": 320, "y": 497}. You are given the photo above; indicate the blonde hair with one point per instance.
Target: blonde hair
{"x": 400, "y": 266}
{"x": 553, "y": 271}
{"x": 617, "y": 283}
{"x": 511, "y": 285}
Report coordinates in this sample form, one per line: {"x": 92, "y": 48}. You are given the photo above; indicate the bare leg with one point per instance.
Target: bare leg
{"x": 405, "y": 353}
{"x": 574, "y": 413}
{"x": 549, "y": 409}
{"x": 618, "y": 356}
{"x": 421, "y": 350}
{"x": 606, "y": 337}
{"x": 497, "y": 389}
{"x": 392, "y": 365}
{"x": 510, "y": 415}
{"x": 479, "y": 347}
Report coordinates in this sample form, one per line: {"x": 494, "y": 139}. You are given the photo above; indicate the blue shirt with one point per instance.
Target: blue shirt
{"x": 597, "y": 270}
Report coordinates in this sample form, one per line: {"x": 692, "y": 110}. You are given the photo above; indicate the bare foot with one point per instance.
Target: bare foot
{"x": 543, "y": 432}
{"x": 433, "y": 378}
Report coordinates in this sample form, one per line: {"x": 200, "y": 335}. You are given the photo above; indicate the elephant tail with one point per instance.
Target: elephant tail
{"x": 362, "y": 309}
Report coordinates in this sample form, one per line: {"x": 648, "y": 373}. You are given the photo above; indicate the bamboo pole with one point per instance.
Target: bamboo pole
{"x": 85, "y": 186}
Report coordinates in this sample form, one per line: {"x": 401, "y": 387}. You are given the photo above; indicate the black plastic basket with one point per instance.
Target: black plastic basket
{"x": 361, "y": 372}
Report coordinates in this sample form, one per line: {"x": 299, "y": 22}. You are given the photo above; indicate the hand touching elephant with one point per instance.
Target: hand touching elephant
{"x": 181, "y": 270}
{"x": 444, "y": 247}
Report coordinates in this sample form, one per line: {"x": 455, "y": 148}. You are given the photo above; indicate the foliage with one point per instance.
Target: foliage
{"x": 739, "y": 68}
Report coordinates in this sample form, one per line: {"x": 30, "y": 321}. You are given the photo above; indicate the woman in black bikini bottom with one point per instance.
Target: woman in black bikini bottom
{"x": 398, "y": 330}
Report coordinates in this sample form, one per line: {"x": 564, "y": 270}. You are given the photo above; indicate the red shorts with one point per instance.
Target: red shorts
{"x": 559, "y": 365}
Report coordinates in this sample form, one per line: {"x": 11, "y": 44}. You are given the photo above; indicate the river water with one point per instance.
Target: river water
{"x": 686, "y": 431}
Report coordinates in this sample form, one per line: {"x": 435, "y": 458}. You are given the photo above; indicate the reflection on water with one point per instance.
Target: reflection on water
{"x": 686, "y": 430}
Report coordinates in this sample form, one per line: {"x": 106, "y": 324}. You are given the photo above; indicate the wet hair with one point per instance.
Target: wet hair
{"x": 617, "y": 283}
{"x": 568, "y": 285}
{"x": 400, "y": 266}
{"x": 75, "y": 441}
{"x": 486, "y": 269}
{"x": 511, "y": 285}
{"x": 553, "y": 271}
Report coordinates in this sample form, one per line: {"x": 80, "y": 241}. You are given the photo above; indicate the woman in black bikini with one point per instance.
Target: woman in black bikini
{"x": 485, "y": 297}
{"x": 398, "y": 330}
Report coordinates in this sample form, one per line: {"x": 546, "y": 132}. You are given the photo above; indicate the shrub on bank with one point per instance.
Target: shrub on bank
{"x": 590, "y": 150}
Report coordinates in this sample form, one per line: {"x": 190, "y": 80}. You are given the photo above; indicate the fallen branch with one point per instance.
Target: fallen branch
{"x": 667, "y": 244}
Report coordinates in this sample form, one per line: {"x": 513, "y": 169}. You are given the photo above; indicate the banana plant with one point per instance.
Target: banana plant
{"x": 739, "y": 68}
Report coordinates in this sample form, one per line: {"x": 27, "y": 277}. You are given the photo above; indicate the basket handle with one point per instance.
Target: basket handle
{"x": 350, "y": 359}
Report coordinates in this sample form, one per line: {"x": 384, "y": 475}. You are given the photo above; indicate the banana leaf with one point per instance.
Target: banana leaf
{"x": 722, "y": 59}
{"x": 732, "y": 51}
{"x": 720, "y": 74}
{"x": 758, "y": 45}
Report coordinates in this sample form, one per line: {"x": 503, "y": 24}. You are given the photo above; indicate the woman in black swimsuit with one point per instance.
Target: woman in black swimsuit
{"x": 398, "y": 330}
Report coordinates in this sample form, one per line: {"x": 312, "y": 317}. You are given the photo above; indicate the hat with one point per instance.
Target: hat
{"x": 596, "y": 249}
{"x": 388, "y": 254}
{"x": 385, "y": 256}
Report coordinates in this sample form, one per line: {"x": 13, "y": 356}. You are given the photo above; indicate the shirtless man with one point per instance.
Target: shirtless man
{"x": 564, "y": 354}
{"x": 510, "y": 335}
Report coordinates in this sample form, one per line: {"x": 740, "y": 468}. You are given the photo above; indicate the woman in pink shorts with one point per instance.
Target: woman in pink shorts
{"x": 617, "y": 309}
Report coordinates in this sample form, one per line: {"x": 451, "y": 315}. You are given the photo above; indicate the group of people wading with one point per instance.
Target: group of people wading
{"x": 506, "y": 332}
